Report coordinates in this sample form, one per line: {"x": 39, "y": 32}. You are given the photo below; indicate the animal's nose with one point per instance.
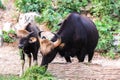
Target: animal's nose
{"x": 20, "y": 46}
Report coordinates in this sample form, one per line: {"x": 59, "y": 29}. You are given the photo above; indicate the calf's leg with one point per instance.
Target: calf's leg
{"x": 29, "y": 59}
{"x": 35, "y": 54}
{"x": 22, "y": 57}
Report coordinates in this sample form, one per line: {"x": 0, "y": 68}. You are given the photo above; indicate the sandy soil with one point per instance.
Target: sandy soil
{"x": 100, "y": 69}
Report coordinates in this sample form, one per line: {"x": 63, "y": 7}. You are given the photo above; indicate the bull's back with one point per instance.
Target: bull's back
{"x": 79, "y": 31}
{"x": 85, "y": 31}
{"x": 91, "y": 31}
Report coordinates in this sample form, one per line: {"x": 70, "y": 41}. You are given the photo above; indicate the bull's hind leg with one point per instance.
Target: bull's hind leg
{"x": 67, "y": 57}
{"x": 90, "y": 55}
{"x": 81, "y": 55}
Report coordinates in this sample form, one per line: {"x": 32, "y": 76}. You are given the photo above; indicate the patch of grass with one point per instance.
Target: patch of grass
{"x": 111, "y": 55}
{"x": 37, "y": 73}
{"x": 9, "y": 77}
{"x": 32, "y": 73}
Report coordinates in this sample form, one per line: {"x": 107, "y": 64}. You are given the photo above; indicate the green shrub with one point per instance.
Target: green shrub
{"x": 106, "y": 38}
{"x": 100, "y": 7}
{"x": 31, "y": 5}
{"x": 9, "y": 77}
{"x": 32, "y": 73}
{"x": 106, "y": 7}
{"x": 51, "y": 18}
{"x": 108, "y": 24}
{"x": 111, "y": 55}
{"x": 53, "y": 12}
{"x": 52, "y": 15}
{"x": 37, "y": 73}
{"x": 70, "y": 5}
{"x": 2, "y": 6}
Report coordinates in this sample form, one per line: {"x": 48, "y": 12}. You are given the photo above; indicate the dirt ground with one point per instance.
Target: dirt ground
{"x": 100, "y": 69}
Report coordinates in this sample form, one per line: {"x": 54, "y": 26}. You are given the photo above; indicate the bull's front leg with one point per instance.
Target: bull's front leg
{"x": 22, "y": 58}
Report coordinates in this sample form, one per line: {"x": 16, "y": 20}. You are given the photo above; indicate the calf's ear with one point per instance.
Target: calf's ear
{"x": 32, "y": 39}
{"x": 22, "y": 33}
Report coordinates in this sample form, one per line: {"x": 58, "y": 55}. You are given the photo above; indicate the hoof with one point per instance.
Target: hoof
{"x": 21, "y": 73}
{"x": 87, "y": 63}
{"x": 68, "y": 62}
{"x": 35, "y": 63}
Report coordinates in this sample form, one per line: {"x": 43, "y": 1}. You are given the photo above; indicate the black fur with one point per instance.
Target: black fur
{"x": 80, "y": 36}
{"x": 27, "y": 47}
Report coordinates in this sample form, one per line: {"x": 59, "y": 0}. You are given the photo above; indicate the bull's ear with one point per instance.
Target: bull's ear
{"x": 32, "y": 39}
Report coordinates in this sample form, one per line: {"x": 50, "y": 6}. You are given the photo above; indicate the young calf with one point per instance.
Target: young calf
{"x": 28, "y": 43}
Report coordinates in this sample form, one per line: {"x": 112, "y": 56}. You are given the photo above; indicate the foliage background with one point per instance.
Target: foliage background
{"x": 54, "y": 11}
{"x": 1, "y": 5}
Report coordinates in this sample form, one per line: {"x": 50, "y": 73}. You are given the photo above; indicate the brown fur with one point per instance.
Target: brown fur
{"x": 22, "y": 33}
{"x": 47, "y": 46}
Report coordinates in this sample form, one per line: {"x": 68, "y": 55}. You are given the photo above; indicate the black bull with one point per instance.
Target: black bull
{"x": 77, "y": 36}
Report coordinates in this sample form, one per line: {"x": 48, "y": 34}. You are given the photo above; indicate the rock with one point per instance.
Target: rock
{"x": 116, "y": 42}
{"x": 27, "y": 17}
{"x": 24, "y": 19}
{"x": 7, "y": 26}
{"x": 1, "y": 37}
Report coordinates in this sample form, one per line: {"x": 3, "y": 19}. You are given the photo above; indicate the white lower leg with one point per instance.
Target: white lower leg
{"x": 22, "y": 68}
{"x": 35, "y": 62}
{"x": 29, "y": 59}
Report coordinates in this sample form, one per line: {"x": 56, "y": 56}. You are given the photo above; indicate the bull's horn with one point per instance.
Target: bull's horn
{"x": 57, "y": 42}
